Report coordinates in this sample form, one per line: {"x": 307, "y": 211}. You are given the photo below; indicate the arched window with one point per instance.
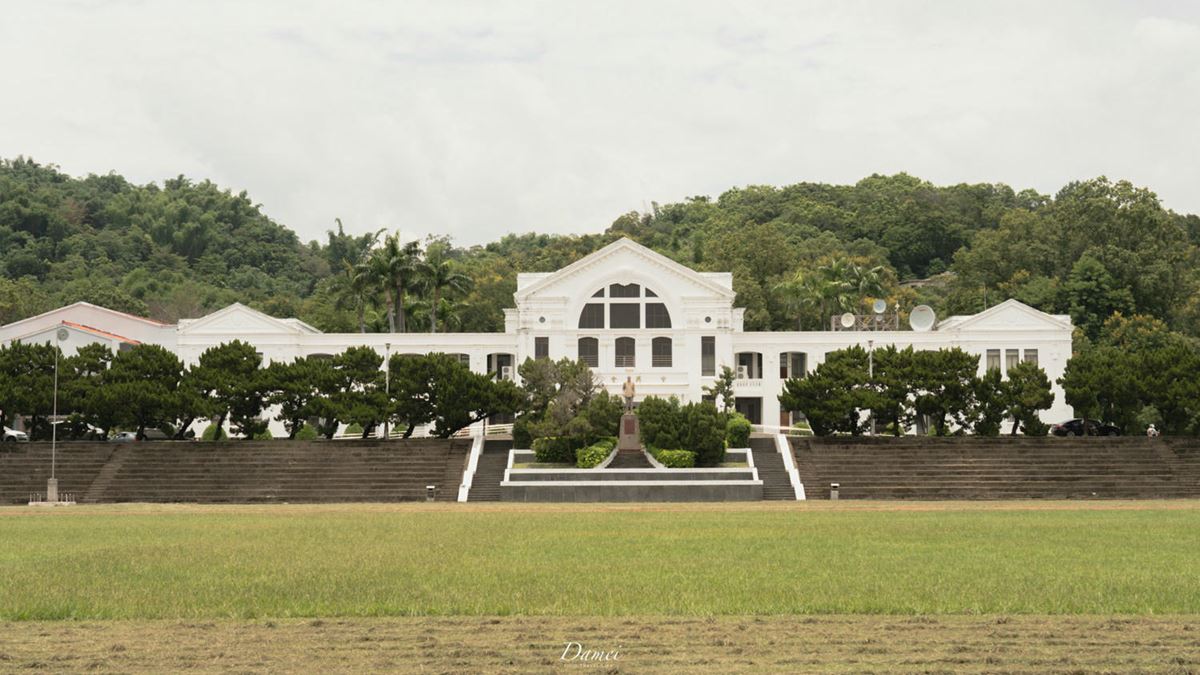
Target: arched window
{"x": 624, "y": 307}
{"x": 589, "y": 351}
{"x": 660, "y": 352}
{"x": 626, "y": 356}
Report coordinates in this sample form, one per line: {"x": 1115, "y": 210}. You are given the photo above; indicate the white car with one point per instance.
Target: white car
{"x": 12, "y": 435}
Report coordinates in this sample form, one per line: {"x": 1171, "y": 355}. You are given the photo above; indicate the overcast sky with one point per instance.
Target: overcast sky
{"x": 476, "y": 119}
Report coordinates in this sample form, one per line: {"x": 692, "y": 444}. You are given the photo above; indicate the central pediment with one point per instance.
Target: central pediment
{"x": 624, "y": 261}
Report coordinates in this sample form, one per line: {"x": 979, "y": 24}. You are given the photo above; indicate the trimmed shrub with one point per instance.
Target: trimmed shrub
{"x": 521, "y": 436}
{"x": 592, "y": 455}
{"x": 676, "y": 459}
{"x": 555, "y": 449}
{"x": 705, "y": 433}
{"x": 737, "y": 431}
{"x": 661, "y": 422}
{"x": 264, "y": 435}
{"x": 307, "y": 433}
{"x": 213, "y": 433}
{"x": 353, "y": 429}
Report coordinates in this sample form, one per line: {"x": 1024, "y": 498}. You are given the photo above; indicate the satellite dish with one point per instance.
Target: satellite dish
{"x": 62, "y": 334}
{"x": 847, "y": 320}
{"x": 922, "y": 318}
{"x": 880, "y": 306}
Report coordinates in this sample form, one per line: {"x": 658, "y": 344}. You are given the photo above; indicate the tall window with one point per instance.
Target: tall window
{"x": 589, "y": 351}
{"x": 1011, "y": 358}
{"x": 592, "y": 316}
{"x": 657, "y": 316}
{"x": 1031, "y": 356}
{"x": 993, "y": 359}
{"x": 660, "y": 352}
{"x": 792, "y": 364}
{"x": 708, "y": 356}
{"x": 626, "y": 357}
{"x": 541, "y": 347}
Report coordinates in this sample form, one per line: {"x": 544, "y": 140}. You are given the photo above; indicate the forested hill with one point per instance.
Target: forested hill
{"x": 798, "y": 253}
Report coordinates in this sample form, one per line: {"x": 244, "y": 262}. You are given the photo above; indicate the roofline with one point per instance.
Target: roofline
{"x": 624, "y": 242}
{"x": 152, "y": 322}
{"x": 80, "y": 327}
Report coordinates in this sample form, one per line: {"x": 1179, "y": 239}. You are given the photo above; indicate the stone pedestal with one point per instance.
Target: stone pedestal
{"x": 631, "y": 436}
{"x": 51, "y": 489}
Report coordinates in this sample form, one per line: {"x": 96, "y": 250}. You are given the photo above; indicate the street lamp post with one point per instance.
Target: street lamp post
{"x": 52, "y": 483}
{"x": 871, "y": 379}
{"x": 387, "y": 387}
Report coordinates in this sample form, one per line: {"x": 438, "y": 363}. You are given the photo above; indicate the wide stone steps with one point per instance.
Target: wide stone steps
{"x": 232, "y": 472}
{"x": 1001, "y": 468}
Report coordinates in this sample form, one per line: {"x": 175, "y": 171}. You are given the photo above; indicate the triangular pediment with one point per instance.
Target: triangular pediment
{"x": 627, "y": 257}
{"x": 1008, "y": 315}
{"x": 238, "y": 319}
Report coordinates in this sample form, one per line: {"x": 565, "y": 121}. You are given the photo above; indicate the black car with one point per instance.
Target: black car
{"x": 1084, "y": 427}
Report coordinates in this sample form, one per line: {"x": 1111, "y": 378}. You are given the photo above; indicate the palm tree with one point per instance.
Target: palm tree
{"x": 437, "y": 273}
{"x": 360, "y": 284}
{"x": 394, "y": 266}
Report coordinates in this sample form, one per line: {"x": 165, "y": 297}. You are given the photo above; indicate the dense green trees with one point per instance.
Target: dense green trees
{"x": 845, "y": 392}
{"x": 147, "y": 387}
{"x": 1136, "y": 372}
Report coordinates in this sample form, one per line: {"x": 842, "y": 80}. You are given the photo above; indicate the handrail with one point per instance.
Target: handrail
{"x": 789, "y": 463}
{"x": 775, "y": 429}
{"x": 472, "y": 464}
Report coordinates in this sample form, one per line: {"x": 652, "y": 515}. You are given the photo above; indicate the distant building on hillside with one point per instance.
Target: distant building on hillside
{"x": 625, "y": 310}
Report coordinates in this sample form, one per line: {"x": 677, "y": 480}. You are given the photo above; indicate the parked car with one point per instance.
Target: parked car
{"x": 13, "y": 436}
{"x": 1084, "y": 427}
{"x": 131, "y": 436}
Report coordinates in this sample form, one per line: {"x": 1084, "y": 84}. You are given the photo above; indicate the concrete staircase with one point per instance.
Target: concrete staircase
{"x": 489, "y": 471}
{"x": 99, "y": 486}
{"x": 243, "y": 471}
{"x": 630, "y": 459}
{"x": 998, "y": 468}
{"x": 24, "y": 468}
{"x": 771, "y": 471}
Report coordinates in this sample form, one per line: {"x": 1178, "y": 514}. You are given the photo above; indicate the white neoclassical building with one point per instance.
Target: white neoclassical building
{"x": 625, "y": 310}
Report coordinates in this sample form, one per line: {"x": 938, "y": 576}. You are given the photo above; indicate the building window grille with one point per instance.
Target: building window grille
{"x": 660, "y": 352}
{"x": 589, "y": 351}
{"x": 624, "y": 315}
{"x": 657, "y": 315}
{"x": 592, "y": 316}
{"x": 626, "y": 353}
{"x": 708, "y": 356}
{"x": 541, "y": 347}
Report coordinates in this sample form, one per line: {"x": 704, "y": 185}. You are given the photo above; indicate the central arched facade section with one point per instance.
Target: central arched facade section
{"x": 624, "y": 306}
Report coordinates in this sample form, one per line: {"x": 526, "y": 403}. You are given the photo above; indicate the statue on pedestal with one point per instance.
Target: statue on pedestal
{"x": 628, "y": 391}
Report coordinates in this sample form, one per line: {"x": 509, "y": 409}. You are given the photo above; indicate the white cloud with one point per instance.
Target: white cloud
{"x": 482, "y": 118}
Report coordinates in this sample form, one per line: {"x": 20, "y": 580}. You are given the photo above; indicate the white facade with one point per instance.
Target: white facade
{"x": 652, "y": 320}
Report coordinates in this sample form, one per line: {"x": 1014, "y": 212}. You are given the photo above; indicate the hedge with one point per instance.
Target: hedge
{"x": 737, "y": 432}
{"x": 591, "y": 456}
{"x": 555, "y": 449}
{"x": 676, "y": 459}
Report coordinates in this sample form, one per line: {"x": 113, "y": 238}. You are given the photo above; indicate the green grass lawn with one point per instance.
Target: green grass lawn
{"x": 368, "y": 560}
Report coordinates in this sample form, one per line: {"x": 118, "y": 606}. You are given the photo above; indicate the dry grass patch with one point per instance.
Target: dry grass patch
{"x": 656, "y": 645}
